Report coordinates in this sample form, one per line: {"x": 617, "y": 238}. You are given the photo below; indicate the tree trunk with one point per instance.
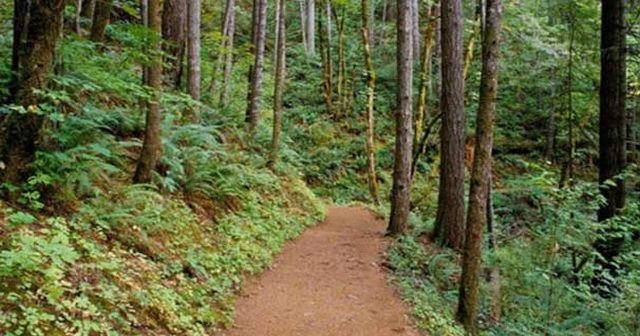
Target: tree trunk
{"x": 77, "y": 26}
{"x": 255, "y": 90}
{"x": 101, "y": 17}
{"x": 311, "y": 27}
{"x": 38, "y": 26}
{"x": 371, "y": 89}
{"x": 342, "y": 65}
{"x": 425, "y": 73}
{"x": 551, "y": 129}
{"x": 303, "y": 24}
{"x": 228, "y": 33}
{"x": 193, "y": 51}
{"x": 475, "y": 32}
{"x": 481, "y": 175}
{"x": 88, "y": 8}
{"x": 612, "y": 129}
{"x": 415, "y": 27}
{"x": 174, "y": 23}
{"x": 401, "y": 190}
{"x": 279, "y": 84}
{"x": 152, "y": 145}
{"x": 449, "y": 227}
{"x": 327, "y": 62}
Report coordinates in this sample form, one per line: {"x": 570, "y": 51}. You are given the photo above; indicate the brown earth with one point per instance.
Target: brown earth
{"x": 327, "y": 282}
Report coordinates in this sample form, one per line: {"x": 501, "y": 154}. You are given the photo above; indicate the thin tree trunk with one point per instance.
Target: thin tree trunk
{"x": 568, "y": 176}
{"x": 78, "y": 27}
{"x": 38, "y": 25}
{"x": 101, "y": 17}
{"x": 303, "y": 24}
{"x": 229, "y": 34}
{"x": 495, "y": 285}
{"x": 253, "y": 108}
{"x": 327, "y": 62}
{"x": 174, "y": 26}
{"x": 371, "y": 89}
{"x": 470, "y": 46}
{"x": 425, "y": 73}
{"x": 401, "y": 190}
{"x": 151, "y": 145}
{"x": 311, "y": 27}
{"x": 612, "y": 130}
{"x": 449, "y": 227}
{"x": 551, "y": 129}
{"x": 415, "y": 27}
{"x": 342, "y": 65}
{"x": 280, "y": 81}
{"x": 144, "y": 16}
{"x": 481, "y": 175}
{"x": 193, "y": 51}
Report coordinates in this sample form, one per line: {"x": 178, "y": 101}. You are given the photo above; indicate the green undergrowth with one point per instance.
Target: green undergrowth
{"x": 545, "y": 258}
{"x": 84, "y": 252}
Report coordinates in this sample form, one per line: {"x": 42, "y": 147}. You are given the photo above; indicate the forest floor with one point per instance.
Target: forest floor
{"x": 330, "y": 281}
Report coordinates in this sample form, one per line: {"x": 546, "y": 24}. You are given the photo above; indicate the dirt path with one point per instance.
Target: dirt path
{"x": 327, "y": 282}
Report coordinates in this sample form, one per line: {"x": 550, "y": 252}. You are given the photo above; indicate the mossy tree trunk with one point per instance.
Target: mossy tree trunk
{"x": 279, "y": 84}
{"x": 37, "y": 30}
{"x": 152, "y": 145}
{"x": 255, "y": 84}
{"x": 481, "y": 173}
{"x": 401, "y": 190}
{"x": 371, "y": 90}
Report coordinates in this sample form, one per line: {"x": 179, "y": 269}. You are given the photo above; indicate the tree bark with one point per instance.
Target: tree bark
{"x": 303, "y": 24}
{"x": 612, "y": 129}
{"x": 449, "y": 227}
{"x": 255, "y": 89}
{"x": 371, "y": 89}
{"x": 425, "y": 73}
{"x": 193, "y": 51}
{"x": 481, "y": 175}
{"x": 101, "y": 17}
{"x": 311, "y": 27}
{"x": 475, "y": 32}
{"x": 152, "y": 145}
{"x": 280, "y": 81}
{"x": 415, "y": 27}
{"x": 327, "y": 62}
{"x": 174, "y": 24}
{"x": 401, "y": 190}
{"x": 38, "y": 26}
{"x": 229, "y": 35}
{"x": 342, "y": 65}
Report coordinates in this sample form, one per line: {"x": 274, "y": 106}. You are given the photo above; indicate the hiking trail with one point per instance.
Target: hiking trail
{"x": 328, "y": 282}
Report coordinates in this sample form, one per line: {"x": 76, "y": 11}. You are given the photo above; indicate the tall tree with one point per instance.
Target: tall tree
{"x": 415, "y": 27}
{"x": 101, "y": 18}
{"x": 193, "y": 51}
{"x": 152, "y": 145}
{"x": 255, "y": 83}
{"x": 449, "y": 226}
{"x": 311, "y": 27}
{"x": 401, "y": 190}
{"x": 228, "y": 32}
{"x": 174, "y": 24}
{"x": 280, "y": 79}
{"x": 425, "y": 71}
{"x": 477, "y": 216}
{"x": 37, "y": 28}
{"x": 327, "y": 61}
{"x": 612, "y": 126}
{"x": 371, "y": 91}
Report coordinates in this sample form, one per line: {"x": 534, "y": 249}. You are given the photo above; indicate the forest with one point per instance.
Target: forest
{"x": 319, "y": 167}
